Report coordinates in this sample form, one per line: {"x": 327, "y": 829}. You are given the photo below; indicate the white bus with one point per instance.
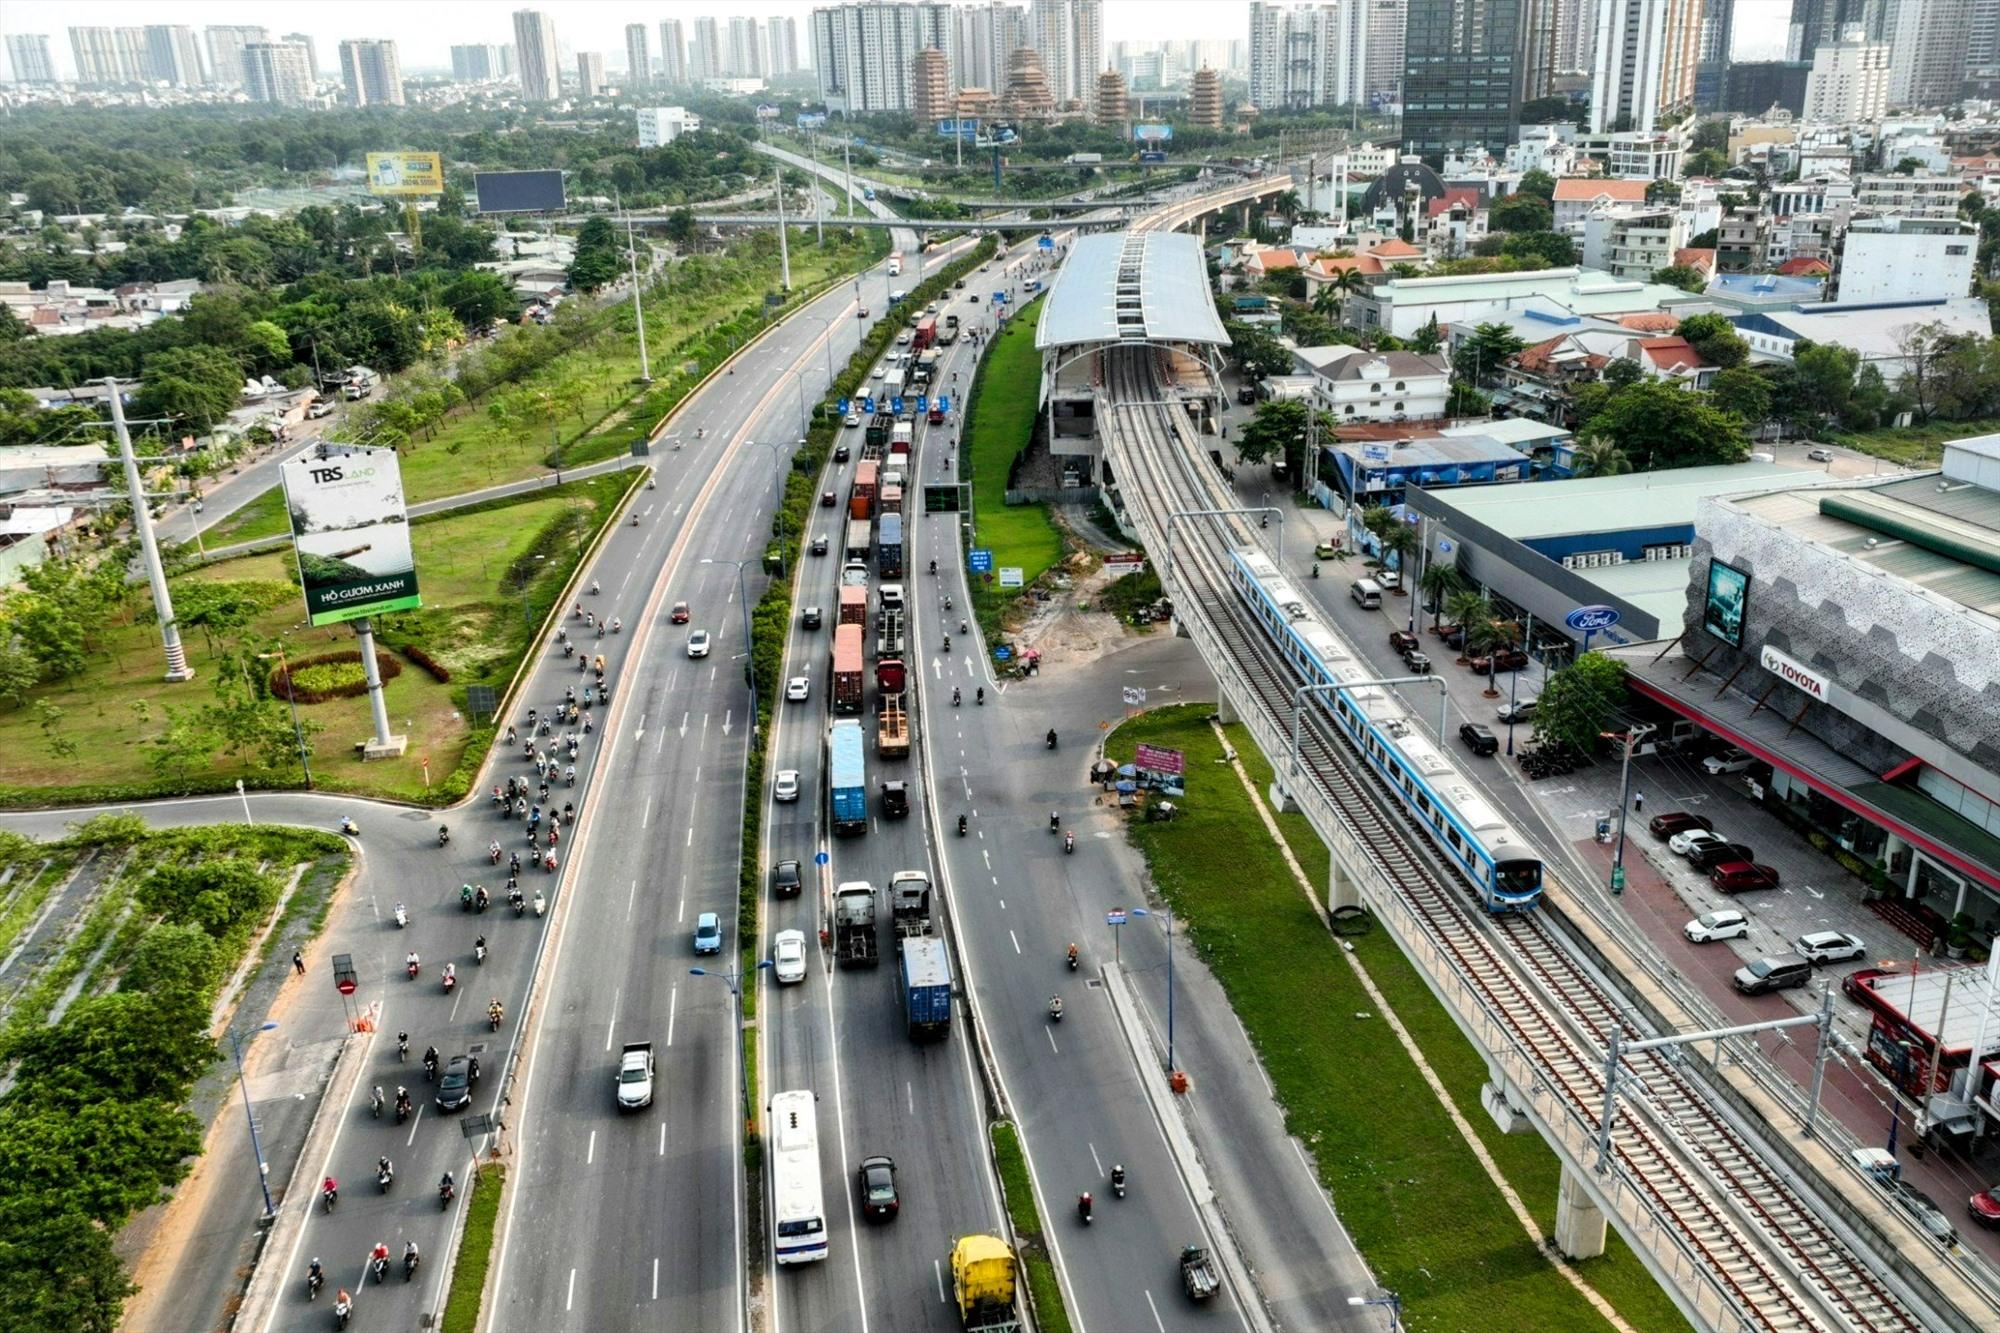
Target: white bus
{"x": 798, "y": 1230}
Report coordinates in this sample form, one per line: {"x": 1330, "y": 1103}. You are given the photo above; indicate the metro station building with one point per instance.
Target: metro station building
{"x": 1849, "y": 637}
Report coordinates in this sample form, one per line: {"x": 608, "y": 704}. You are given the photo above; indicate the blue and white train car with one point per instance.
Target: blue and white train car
{"x": 1497, "y": 861}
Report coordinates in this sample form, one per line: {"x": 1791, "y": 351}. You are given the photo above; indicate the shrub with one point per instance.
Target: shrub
{"x": 439, "y": 671}
{"x": 312, "y": 680}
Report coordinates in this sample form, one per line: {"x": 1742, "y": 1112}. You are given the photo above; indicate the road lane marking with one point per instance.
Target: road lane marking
{"x": 1095, "y": 1161}
{"x": 415, "y": 1120}
{"x": 612, "y": 1026}
{"x": 656, "y": 1262}
{"x": 1002, "y": 902}
{"x": 632, "y": 900}
{"x": 569, "y": 1300}
{"x": 910, "y": 1096}
{"x": 1155, "y": 1309}
{"x": 656, "y": 1258}
{"x": 673, "y": 1004}
{"x": 1050, "y": 1030}
{"x": 937, "y": 1271}
{"x": 590, "y": 1152}
{"x": 1017, "y": 943}
{"x": 684, "y": 723}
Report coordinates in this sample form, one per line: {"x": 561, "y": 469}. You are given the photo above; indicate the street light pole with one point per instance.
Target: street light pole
{"x": 291, "y": 697}
{"x": 1167, "y": 912}
{"x": 749, "y": 659}
{"x": 256, "y": 1147}
{"x": 638, "y": 314}
{"x": 1388, "y": 1298}
{"x": 1632, "y": 737}
{"x": 734, "y": 980}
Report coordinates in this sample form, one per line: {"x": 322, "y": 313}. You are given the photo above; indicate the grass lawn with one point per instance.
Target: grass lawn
{"x": 1414, "y": 1197}
{"x": 1916, "y": 446}
{"x": 1003, "y": 418}
{"x": 475, "y": 1249}
{"x": 471, "y": 450}
{"x": 1051, "y": 1315}
{"x": 263, "y": 517}
{"x": 475, "y": 621}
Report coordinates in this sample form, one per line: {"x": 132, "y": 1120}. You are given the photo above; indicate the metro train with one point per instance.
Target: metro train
{"x": 1497, "y": 861}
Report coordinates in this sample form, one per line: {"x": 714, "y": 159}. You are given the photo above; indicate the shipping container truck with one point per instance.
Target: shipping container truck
{"x": 853, "y": 607}
{"x": 901, "y": 435}
{"x": 926, "y": 334}
{"x": 847, "y": 669}
{"x": 854, "y": 924}
{"x": 927, "y": 366}
{"x": 847, "y": 778}
{"x": 889, "y": 633}
{"x": 892, "y": 729}
{"x": 891, "y": 677}
{"x": 910, "y": 905}
{"x": 860, "y": 537}
{"x": 889, "y": 548}
{"x": 892, "y": 499}
{"x": 924, "y": 978}
{"x": 877, "y": 434}
{"x": 861, "y": 498}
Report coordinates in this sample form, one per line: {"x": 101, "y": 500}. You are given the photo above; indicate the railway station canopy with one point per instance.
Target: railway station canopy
{"x": 1132, "y": 287}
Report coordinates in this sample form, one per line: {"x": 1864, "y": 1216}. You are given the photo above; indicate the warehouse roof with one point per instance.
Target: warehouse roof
{"x": 1132, "y": 286}
{"x": 1541, "y": 509}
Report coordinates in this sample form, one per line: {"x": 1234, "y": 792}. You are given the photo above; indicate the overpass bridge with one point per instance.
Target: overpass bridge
{"x": 893, "y": 224}
{"x": 1741, "y": 1221}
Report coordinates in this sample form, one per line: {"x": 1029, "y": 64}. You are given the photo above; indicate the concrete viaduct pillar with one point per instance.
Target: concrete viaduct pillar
{"x": 1341, "y": 888}
{"x": 1579, "y": 1223}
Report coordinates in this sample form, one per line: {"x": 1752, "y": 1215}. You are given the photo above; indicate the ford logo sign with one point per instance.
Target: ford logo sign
{"x": 1591, "y": 619}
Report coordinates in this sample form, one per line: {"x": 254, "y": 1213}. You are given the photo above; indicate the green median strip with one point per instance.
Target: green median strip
{"x": 475, "y": 1249}
{"x": 1044, "y": 1290}
{"x": 1416, "y": 1198}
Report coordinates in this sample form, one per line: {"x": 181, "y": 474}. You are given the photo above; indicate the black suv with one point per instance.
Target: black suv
{"x": 1712, "y": 854}
{"x": 1478, "y": 739}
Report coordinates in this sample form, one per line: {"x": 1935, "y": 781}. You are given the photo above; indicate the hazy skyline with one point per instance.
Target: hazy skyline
{"x": 425, "y": 32}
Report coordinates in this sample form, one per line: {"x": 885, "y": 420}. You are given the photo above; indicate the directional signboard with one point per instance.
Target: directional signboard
{"x": 868, "y": 406}
{"x": 896, "y": 404}
{"x": 1010, "y": 576}
{"x": 979, "y": 560}
{"x": 1115, "y": 917}
{"x": 842, "y": 405}
{"x": 1047, "y": 242}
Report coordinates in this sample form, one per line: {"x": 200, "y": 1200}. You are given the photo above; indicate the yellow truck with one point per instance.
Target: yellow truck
{"x": 982, "y": 1279}
{"x": 892, "y": 730}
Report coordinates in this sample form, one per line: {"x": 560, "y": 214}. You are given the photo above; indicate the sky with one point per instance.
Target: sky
{"x": 425, "y": 30}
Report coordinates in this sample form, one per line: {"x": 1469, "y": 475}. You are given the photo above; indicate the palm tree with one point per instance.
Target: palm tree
{"x": 1377, "y": 520}
{"x": 1465, "y": 609}
{"x": 1437, "y": 585}
{"x": 1599, "y": 456}
{"x": 1486, "y": 636}
{"x": 1400, "y": 540}
{"x": 1349, "y": 283}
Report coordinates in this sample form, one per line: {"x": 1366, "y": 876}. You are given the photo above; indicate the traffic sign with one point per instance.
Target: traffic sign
{"x": 1001, "y": 652}
{"x": 842, "y": 406}
{"x": 820, "y": 858}
{"x": 1047, "y": 242}
{"x": 979, "y": 560}
{"x": 868, "y": 406}
{"x": 344, "y": 976}
{"x": 1115, "y": 917}
{"x": 923, "y": 402}
{"x": 896, "y": 404}
{"x": 944, "y": 402}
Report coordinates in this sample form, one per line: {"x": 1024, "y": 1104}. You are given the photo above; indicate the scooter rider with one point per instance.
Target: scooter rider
{"x": 1055, "y": 1006}
{"x": 1118, "y": 1181}
{"x": 430, "y": 1061}
{"x": 954, "y": 696}
{"x": 961, "y": 826}
{"x": 1072, "y": 958}
{"x": 980, "y": 696}
{"x": 1069, "y": 842}
{"x": 1055, "y": 820}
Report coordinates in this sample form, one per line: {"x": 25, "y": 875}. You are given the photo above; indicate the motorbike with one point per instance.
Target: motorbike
{"x": 493, "y": 1017}
{"x": 540, "y": 905}
{"x": 402, "y": 1047}
{"x": 1056, "y": 1009}
{"x": 954, "y": 697}
{"x": 480, "y": 900}
{"x": 520, "y": 903}
{"x": 465, "y": 898}
{"x": 341, "y": 1310}
{"x": 376, "y": 1103}
{"x": 493, "y": 854}
{"x": 410, "y": 1261}
{"x": 1083, "y": 1208}
{"x": 1118, "y": 1181}
{"x": 430, "y": 1067}
{"x": 314, "y": 1281}
{"x": 1073, "y": 957}
{"x": 380, "y": 1268}
{"x": 329, "y": 1198}
{"x": 402, "y": 1109}
{"x": 946, "y": 645}
{"x": 412, "y": 968}
{"x": 1069, "y": 843}
{"x": 384, "y": 1178}
{"x": 961, "y": 826}
{"x": 479, "y": 952}
{"x": 1055, "y": 821}
{"x": 402, "y": 916}
{"x": 1051, "y": 738}
{"x": 350, "y": 828}
{"x": 980, "y": 697}
{"x": 444, "y": 836}
{"x": 1315, "y": 572}
{"x": 449, "y": 982}
{"x": 445, "y": 1195}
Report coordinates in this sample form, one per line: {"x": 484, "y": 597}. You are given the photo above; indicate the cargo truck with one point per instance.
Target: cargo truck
{"x": 889, "y": 549}
{"x": 892, "y": 499}
{"x": 889, "y": 634}
{"x": 924, "y": 980}
{"x": 859, "y": 539}
{"x": 910, "y": 905}
{"x": 853, "y": 607}
{"x": 982, "y": 1283}
{"x": 895, "y": 256}
{"x": 876, "y": 437}
{"x": 847, "y": 669}
{"x": 635, "y": 1076}
{"x": 927, "y": 365}
{"x": 901, "y": 435}
{"x": 861, "y": 499}
{"x": 925, "y": 335}
{"x": 936, "y": 417}
{"x": 854, "y": 924}
{"x": 847, "y": 777}
{"x": 891, "y": 677}
{"x": 892, "y": 729}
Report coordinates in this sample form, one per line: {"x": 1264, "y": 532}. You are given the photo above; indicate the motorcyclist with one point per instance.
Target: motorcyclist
{"x": 378, "y": 1259}
{"x": 329, "y": 1191}
{"x": 947, "y": 643}
{"x": 1118, "y": 1180}
{"x": 594, "y": 588}
{"x": 1072, "y": 955}
{"x": 410, "y": 1258}
{"x": 430, "y": 1061}
{"x": 1055, "y": 820}
{"x": 376, "y": 1100}
{"x": 961, "y": 826}
{"x": 493, "y": 852}
{"x": 1315, "y": 569}
{"x": 479, "y": 949}
{"x": 933, "y": 566}
{"x": 616, "y": 624}
{"x": 1069, "y": 842}
{"x": 979, "y": 697}
{"x": 347, "y": 825}
{"x": 1083, "y": 1205}
{"x": 1055, "y": 1006}
{"x": 444, "y": 834}
{"x": 447, "y": 1186}
{"x": 315, "y": 1277}
{"x": 403, "y": 1105}
{"x": 954, "y": 696}
{"x": 495, "y": 1012}
{"x": 402, "y": 1045}
{"x": 411, "y": 963}
{"x": 385, "y": 1170}
{"x": 480, "y": 898}
{"x": 450, "y": 976}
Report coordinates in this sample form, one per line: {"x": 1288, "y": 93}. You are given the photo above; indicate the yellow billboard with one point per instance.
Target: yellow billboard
{"x": 405, "y": 173}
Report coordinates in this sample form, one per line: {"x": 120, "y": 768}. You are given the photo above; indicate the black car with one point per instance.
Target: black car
{"x": 786, "y": 879}
{"x": 810, "y": 619}
{"x": 1247, "y": 394}
{"x": 895, "y": 800}
{"x": 879, "y": 1200}
{"x": 455, "y": 1088}
{"x": 1712, "y": 854}
{"x": 819, "y": 546}
{"x": 840, "y": 453}
{"x": 1479, "y": 739}
{"x": 1418, "y": 662}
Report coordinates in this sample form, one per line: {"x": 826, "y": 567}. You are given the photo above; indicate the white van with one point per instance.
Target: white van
{"x": 1367, "y": 593}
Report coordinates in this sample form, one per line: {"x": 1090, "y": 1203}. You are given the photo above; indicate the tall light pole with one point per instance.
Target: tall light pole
{"x": 734, "y": 980}
{"x": 256, "y": 1147}
{"x": 1632, "y": 736}
{"x": 1168, "y": 913}
{"x": 638, "y": 315}
{"x": 149, "y": 549}
{"x": 749, "y": 657}
{"x": 291, "y": 697}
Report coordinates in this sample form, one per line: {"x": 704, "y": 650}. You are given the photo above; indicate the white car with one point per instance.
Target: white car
{"x": 1723, "y": 925}
{"x": 1829, "y": 946}
{"x": 798, "y": 689}
{"x": 903, "y": 339}
{"x": 851, "y": 420}
{"x": 878, "y": 372}
{"x": 1729, "y": 761}
{"x": 698, "y": 643}
{"x": 1820, "y": 455}
{"x": 788, "y": 956}
{"x": 1684, "y": 844}
{"x": 786, "y": 787}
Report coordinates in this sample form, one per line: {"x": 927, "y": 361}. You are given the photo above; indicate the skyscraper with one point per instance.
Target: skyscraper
{"x": 225, "y": 52}
{"x": 743, "y": 57}
{"x": 312, "y": 49}
{"x": 1069, "y": 37}
{"x": 106, "y": 57}
{"x": 1711, "y": 69}
{"x": 1462, "y": 74}
{"x": 673, "y": 53}
{"x": 1573, "y": 27}
{"x": 589, "y": 74}
{"x": 781, "y": 40}
{"x": 1927, "y": 51}
{"x": 372, "y": 73}
{"x": 638, "y": 63}
{"x": 705, "y": 60}
{"x": 277, "y": 72}
{"x": 173, "y": 55}
{"x": 536, "y": 57}
{"x": 986, "y": 34}
{"x": 1384, "y": 69}
{"x": 1308, "y": 56}
{"x": 1643, "y": 69}
{"x": 28, "y": 56}
{"x": 930, "y": 86}
{"x": 862, "y": 52}
{"x": 1817, "y": 23}
{"x": 1849, "y": 81}
{"x": 476, "y": 63}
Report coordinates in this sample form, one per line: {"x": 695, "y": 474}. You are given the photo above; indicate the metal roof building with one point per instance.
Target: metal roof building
{"x": 1133, "y": 286}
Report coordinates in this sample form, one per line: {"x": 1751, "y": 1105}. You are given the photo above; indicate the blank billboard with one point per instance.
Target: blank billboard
{"x": 520, "y": 191}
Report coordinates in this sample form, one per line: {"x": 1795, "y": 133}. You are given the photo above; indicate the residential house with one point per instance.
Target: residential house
{"x": 1454, "y": 223}
{"x": 1878, "y": 334}
{"x": 1577, "y": 197}
{"x": 1671, "y": 358}
{"x": 1742, "y": 240}
{"x": 1403, "y": 305}
{"x": 1378, "y": 471}
{"x": 1920, "y": 196}
{"x": 1261, "y": 263}
{"x": 1905, "y": 259}
{"x": 29, "y": 534}
{"x": 1540, "y": 382}
{"x": 1355, "y": 384}
{"x": 1734, "y": 293}
{"x": 1632, "y": 242}
{"x": 1699, "y": 258}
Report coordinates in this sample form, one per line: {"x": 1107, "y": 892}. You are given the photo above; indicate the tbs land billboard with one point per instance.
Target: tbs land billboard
{"x": 405, "y": 173}
{"x": 519, "y": 191}
{"x": 351, "y": 533}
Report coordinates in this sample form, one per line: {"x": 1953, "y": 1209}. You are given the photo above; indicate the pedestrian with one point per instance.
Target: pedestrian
{"x": 298, "y": 962}
{"x": 1638, "y": 801}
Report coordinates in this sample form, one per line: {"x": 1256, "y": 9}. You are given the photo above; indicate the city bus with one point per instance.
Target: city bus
{"x": 798, "y": 1231}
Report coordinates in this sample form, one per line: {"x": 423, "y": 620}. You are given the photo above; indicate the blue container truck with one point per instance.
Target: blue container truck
{"x": 889, "y": 546}
{"x": 847, "y": 777}
{"x": 924, "y": 981}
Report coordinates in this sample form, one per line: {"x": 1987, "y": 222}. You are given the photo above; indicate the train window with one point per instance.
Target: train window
{"x": 1451, "y": 836}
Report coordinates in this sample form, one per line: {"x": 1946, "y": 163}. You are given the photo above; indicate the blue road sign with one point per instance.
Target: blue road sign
{"x": 1047, "y": 242}
{"x": 868, "y": 406}
{"x": 923, "y": 402}
{"x": 1002, "y": 652}
{"x": 944, "y": 402}
{"x": 896, "y": 404}
{"x": 842, "y": 404}
{"x": 820, "y": 858}
{"x": 979, "y": 560}
{"x": 1000, "y": 298}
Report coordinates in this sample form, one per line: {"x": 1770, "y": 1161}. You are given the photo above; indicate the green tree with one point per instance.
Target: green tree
{"x": 1538, "y": 183}
{"x": 1707, "y": 162}
{"x": 1257, "y": 351}
{"x": 1682, "y": 276}
{"x": 1712, "y": 133}
{"x": 1465, "y": 608}
{"x": 174, "y": 956}
{"x": 681, "y": 228}
{"x": 1598, "y": 456}
{"x": 1278, "y": 430}
{"x": 1546, "y": 110}
{"x": 1660, "y": 425}
{"x": 19, "y": 671}
{"x": 1578, "y": 702}
{"x": 1909, "y": 166}
{"x": 1744, "y": 394}
{"x": 265, "y": 348}
{"x": 1663, "y": 192}
{"x": 1401, "y": 541}
{"x": 49, "y": 718}
{"x": 1440, "y": 582}
{"x": 1463, "y": 400}
{"x": 194, "y": 386}
{"x": 65, "y": 1273}
{"x": 1481, "y": 355}
{"x": 1623, "y": 373}
{"x": 1428, "y": 338}
{"x": 1521, "y": 212}
{"x": 1545, "y": 249}
{"x": 1715, "y": 339}
{"x": 183, "y": 746}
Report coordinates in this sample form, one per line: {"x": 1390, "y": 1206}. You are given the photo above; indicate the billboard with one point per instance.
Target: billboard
{"x": 810, "y": 120}
{"x": 1152, "y": 133}
{"x": 405, "y": 173}
{"x": 520, "y": 191}
{"x": 1728, "y": 596}
{"x": 958, "y": 129}
{"x": 350, "y": 533}
{"x": 1152, "y": 157}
